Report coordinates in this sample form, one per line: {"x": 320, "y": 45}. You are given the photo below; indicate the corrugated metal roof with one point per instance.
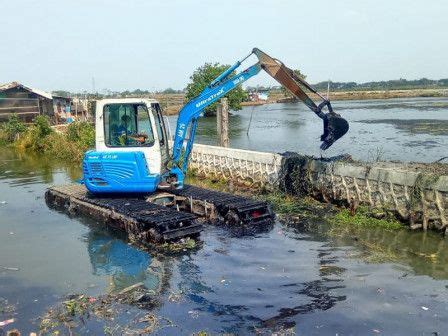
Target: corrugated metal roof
{"x": 12, "y": 85}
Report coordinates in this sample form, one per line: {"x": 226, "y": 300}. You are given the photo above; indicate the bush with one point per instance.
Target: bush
{"x": 41, "y": 138}
{"x": 42, "y": 126}
{"x": 81, "y": 133}
{"x": 35, "y": 136}
{"x": 71, "y": 146}
{"x": 11, "y": 130}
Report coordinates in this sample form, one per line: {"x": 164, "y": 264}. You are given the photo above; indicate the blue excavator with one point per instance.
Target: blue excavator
{"x": 132, "y": 151}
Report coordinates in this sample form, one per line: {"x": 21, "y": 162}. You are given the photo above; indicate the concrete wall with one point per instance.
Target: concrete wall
{"x": 240, "y": 164}
{"x": 416, "y": 195}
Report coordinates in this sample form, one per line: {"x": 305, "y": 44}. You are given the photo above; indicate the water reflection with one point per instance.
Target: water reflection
{"x": 424, "y": 253}
{"x": 20, "y": 169}
{"x": 261, "y": 282}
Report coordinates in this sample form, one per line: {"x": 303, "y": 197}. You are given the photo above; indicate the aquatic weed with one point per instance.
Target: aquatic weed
{"x": 364, "y": 217}
{"x": 179, "y": 246}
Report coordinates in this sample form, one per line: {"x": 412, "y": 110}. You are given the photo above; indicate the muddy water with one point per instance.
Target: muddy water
{"x": 394, "y": 129}
{"x": 309, "y": 278}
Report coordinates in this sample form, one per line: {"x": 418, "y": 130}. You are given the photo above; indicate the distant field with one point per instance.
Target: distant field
{"x": 172, "y": 103}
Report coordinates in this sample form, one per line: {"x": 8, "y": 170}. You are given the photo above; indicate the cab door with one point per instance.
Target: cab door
{"x": 162, "y": 135}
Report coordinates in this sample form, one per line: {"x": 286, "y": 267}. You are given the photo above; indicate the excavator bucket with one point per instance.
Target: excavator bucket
{"x": 334, "y": 125}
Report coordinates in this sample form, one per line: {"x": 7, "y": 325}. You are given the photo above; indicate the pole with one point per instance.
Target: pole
{"x": 250, "y": 120}
{"x": 222, "y": 119}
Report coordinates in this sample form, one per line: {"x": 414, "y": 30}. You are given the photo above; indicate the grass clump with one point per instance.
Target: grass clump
{"x": 364, "y": 217}
{"x": 283, "y": 203}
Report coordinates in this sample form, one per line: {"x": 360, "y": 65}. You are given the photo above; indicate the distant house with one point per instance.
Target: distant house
{"x": 62, "y": 108}
{"x": 24, "y": 101}
{"x": 257, "y": 96}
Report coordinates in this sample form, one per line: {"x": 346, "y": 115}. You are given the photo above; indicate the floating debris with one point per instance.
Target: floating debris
{"x": 6, "y": 322}
{"x": 77, "y": 310}
{"x": 10, "y": 268}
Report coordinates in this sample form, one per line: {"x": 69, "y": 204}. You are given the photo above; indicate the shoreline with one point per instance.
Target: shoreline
{"x": 362, "y": 95}
{"x": 172, "y": 103}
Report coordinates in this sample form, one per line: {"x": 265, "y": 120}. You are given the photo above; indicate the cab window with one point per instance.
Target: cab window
{"x": 127, "y": 125}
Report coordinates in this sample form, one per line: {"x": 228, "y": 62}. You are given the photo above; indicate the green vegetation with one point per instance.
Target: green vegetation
{"x": 170, "y": 91}
{"x": 11, "y": 130}
{"x": 41, "y": 138}
{"x": 365, "y": 217}
{"x": 61, "y": 93}
{"x": 285, "y": 204}
{"x": 179, "y": 246}
{"x": 202, "y": 77}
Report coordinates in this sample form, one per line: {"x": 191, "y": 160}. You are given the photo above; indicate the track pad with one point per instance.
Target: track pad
{"x": 334, "y": 128}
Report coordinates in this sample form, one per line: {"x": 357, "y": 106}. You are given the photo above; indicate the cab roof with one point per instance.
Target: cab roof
{"x": 126, "y": 100}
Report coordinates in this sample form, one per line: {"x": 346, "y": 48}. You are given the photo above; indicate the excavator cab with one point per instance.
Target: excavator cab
{"x": 131, "y": 147}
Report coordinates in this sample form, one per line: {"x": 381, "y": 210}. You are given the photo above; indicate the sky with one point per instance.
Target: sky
{"x": 153, "y": 45}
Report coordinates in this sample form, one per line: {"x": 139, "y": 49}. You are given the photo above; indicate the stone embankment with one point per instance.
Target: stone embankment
{"x": 417, "y": 193}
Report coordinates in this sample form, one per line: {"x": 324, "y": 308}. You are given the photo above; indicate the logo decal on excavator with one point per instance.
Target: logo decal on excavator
{"x": 109, "y": 156}
{"x": 238, "y": 80}
{"x": 181, "y": 129}
{"x": 213, "y": 96}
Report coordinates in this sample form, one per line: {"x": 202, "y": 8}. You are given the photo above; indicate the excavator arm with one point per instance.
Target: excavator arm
{"x": 334, "y": 125}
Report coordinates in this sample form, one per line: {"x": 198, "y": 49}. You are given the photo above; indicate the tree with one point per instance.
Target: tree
{"x": 286, "y": 93}
{"x": 61, "y": 93}
{"x": 203, "y": 76}
{"x": 169, "y": 91}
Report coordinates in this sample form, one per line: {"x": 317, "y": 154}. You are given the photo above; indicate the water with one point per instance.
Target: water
{"x": 299, "y": 277}
{"x": 394, "y": 129}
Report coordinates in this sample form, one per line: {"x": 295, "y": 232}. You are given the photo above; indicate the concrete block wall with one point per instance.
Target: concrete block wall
{"x": 417, "y": 196}
{"x": 411, "y": 191}
{"x": 239, "y": 164}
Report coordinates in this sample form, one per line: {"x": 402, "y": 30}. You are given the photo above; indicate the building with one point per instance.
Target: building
{"x": 259, "y": 96}
{"x": 26, "y": 102}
